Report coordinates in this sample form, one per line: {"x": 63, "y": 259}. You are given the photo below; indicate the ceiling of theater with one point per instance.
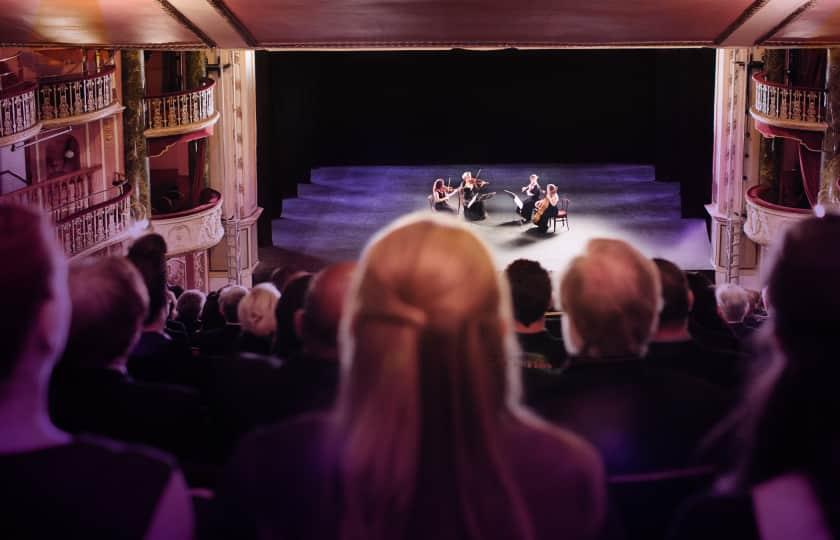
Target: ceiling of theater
{"x": 330, "y": 24}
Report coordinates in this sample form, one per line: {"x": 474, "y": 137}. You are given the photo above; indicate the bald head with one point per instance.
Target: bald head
{"x": 317, "y": 322}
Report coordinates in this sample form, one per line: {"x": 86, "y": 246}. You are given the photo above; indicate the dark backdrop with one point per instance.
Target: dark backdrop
{"x": 345, "y": 108}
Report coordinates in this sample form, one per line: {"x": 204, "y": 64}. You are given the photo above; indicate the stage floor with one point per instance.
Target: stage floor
{"x": 335, "y": 215}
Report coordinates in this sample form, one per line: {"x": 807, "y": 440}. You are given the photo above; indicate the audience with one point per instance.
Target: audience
{"x": 55, "y": 485}
{"x": 91, "y": 391}
{"x": 704, "y": 322}
{"x": 672, "y": 346}
{"x": 287, "y": 342}
{"x": 157, "y": 357}
{"x": 642, "y": 420}
{"x": 257, "y": 319}
{"x": 188, "y": 309}
{"x": 530, "y": 288}
{"x": 734, "y": 306}
{"x": 222, "y": 341}
{"x": 787, "y": 481}
{"x": 427, "y": 439}
{"x": 211, "y": 315}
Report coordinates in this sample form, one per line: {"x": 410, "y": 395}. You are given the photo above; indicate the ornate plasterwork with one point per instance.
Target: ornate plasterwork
{"x": 766, "y": 225}
{"x": 191, "y": 232}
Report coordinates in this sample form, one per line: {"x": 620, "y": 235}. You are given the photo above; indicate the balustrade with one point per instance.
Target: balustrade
{"x": 106, "y": 216}
{"x": 65, "y": 97}
{"x": 69, "y": 191}
{"x": 180, "y": 109}
{"x": 797, "y": 106}
{"x": 18, "y": 112}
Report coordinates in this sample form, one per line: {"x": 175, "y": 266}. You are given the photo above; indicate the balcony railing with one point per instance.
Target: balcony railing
{"x": 63, "y": 100}
{"x": 18, "y": 113}
{"x": 180, "y": 112}
{"x": 107, "y": 215}
{"x": 59, "y": 192}
{"x": 797, "y": 107}
{"x": 190, "y": 230}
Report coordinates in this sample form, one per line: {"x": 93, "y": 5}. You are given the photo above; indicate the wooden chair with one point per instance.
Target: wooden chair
{"x": 562, "y": 214}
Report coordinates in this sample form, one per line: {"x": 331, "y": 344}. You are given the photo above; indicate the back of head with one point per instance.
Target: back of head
{"x": 429, "y": 374}
{"x": 611, "y": 296}
{"x": 733, "y": 301}
{"x": 803, "y": 287}
{"x": 110, "y": 302}
{"x": 229, "y": 300}
{"x": 323, "y": 304}
{"x": 530, "y": 288}
{"x": 190, "y": 304}
{"x": 675, "y": 294}
{"x": 256, "y": 310}
{"x": 291, "y": 301}
{"x": 33, "y": 275}
{"x": 148, "y": 255}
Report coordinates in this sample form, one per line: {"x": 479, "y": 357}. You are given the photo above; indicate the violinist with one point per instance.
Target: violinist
{"x": 441, "y": 193}
{"x": 546, "y": 208}
{"x": 533, "y": 192}
{"x": 473, "y": 198}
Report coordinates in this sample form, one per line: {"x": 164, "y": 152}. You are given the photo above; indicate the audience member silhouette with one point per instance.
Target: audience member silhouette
{"x": 704, "y": 322}
{"x": 530, "y": 288}
{"x": 222, "y": 341}
{"x": 672, "y": 347}
{"x": 427, "y": 439}
{"x": 55, "y": 485}
{"x": 642, "y": 420}
{"x": 91, "y": 391}
{"x": 188, "y": 310}
{"x": 786, "y": 483}
{"x": 257, "y": 319}
{"x": 734, "y": 306}
{"x": 288, "y": 342}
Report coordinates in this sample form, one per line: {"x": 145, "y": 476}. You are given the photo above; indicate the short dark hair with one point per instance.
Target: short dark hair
{"x": 148, "y": 254}
{"x": 530, "y": 288}
{"x": 109, "y": 304}
{"x": 675, "y": 292}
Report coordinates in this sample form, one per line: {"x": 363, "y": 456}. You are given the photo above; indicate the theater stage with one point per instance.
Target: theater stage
{"x": 335, "y": 215}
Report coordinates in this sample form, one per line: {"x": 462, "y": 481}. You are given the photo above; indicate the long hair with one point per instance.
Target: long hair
{"x": 429, "y": 378}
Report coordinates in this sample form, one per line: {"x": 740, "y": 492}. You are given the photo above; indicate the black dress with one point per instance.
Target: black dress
{"x": 476, "y": 211}
{"x": 534, "y": 194}
{"x": 441, "y": 203}
{"x": 549, "y": 213}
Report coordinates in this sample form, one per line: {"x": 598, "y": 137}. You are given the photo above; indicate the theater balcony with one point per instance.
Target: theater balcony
{"x": 788, "y": 107}
{"x": 18, "y": 104}
{"x": 79, "y": 98}
{"x": 766, "y": 222}
{"x": 180, "y": 113}
{"x": 88, "y": 220}
{"x": 195, "y": 229}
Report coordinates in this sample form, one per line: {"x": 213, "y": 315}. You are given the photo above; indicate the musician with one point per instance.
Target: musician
{"x": 473, "y": 200}
{"x": 546, "y": 208}
{"x": 441, "y": 193}
{"x": 533, "y": 192}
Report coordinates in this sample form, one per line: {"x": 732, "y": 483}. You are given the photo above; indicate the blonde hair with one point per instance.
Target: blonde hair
{"x": 256, "y": 310}
{"x": 612, "y": 298}
{"x": 428, "y": 359}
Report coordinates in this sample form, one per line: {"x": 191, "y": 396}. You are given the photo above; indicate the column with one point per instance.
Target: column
{"x": 830, "y": 173}
{"x": 134, "y": 142}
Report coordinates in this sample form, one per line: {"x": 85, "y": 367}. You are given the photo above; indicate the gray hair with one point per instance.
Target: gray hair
{"x": 733, "y": 301}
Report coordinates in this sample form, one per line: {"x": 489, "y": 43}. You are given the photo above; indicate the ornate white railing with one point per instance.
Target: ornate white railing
{"x": 107, "y": 216}
{"x": 63, "y": 191}
{"x": 76, "y": 95}
{"x": 190, "y": 230}
{"x": 18, "y": 113}
{"x": 187, "y": 109}
{"x": 793, "y": 106}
